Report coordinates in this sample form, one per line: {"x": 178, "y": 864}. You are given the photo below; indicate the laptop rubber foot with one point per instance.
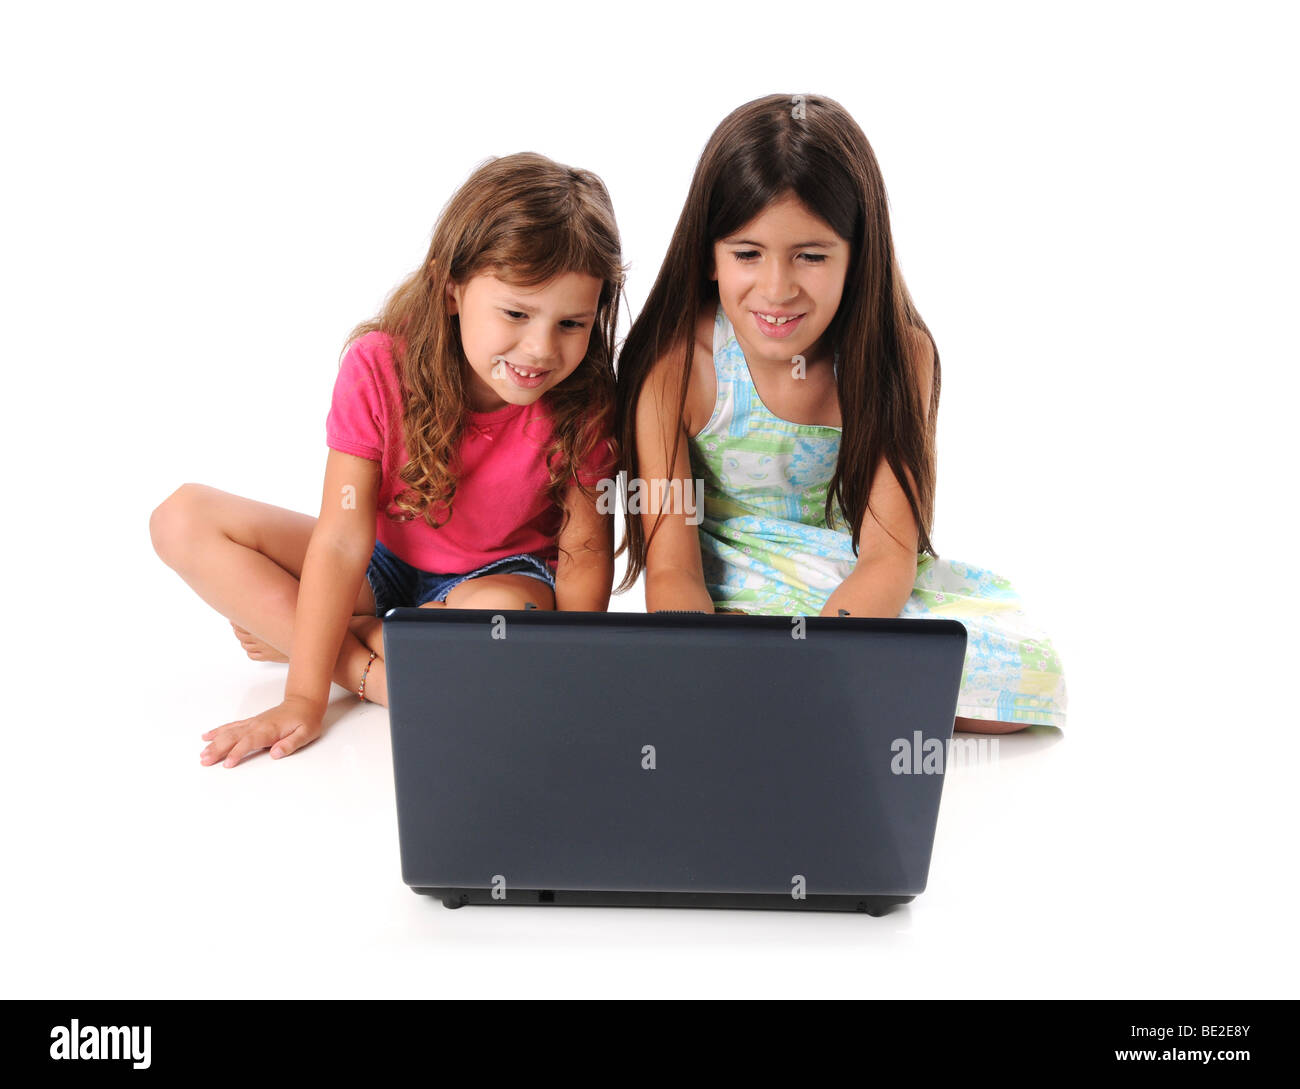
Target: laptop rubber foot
{"x": 876, "y": 906}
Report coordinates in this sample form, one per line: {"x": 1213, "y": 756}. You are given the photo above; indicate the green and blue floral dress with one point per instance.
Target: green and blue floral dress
{"x": 767, "y": 548}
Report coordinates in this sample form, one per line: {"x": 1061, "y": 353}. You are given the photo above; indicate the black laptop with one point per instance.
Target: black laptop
{"x": 670, "y": 759}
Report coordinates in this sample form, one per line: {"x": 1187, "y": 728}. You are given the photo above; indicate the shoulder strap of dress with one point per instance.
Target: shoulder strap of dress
{"x": 723, "y": 379}
{"x": 721, "y": 332}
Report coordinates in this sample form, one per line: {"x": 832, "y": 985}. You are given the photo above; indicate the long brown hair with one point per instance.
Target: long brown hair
{"x": 809, "y": 146}
{"x": 525, "y": 219}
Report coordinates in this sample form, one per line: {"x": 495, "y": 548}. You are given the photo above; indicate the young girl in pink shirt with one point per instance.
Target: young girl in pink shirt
{"x": 469, "y": 429}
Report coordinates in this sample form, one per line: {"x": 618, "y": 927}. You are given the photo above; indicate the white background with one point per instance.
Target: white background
{"x": 1096, "y": 215}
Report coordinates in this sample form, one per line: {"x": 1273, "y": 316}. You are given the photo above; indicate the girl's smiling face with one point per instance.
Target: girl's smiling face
{"x": 522, "y": 341}
{"x": 780, "y": 278}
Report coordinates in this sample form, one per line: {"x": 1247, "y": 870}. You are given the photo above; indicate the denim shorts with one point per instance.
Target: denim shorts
{"x": 396, "y": 583}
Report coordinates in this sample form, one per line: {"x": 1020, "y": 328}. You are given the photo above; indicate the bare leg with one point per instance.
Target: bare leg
{"x": 501, "y": 592}
{"x": 981, "y": 726}
{"x": 370, "y": 631}
{"x": 484, "y": 592}
{"x": 244, "y": 558}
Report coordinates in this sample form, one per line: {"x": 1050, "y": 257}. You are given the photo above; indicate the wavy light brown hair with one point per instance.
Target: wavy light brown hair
{"x": 760, "y": 153}
{"x": 526, "y": 220}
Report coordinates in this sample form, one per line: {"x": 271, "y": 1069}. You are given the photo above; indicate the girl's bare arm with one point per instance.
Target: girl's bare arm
{"x": 674, "y": 575}
{"x": 584, "y": 573}
{"x": 333, "y": 568}
{"x": 336, "y": 562}
{"x": 883, "y": 577}
{"x": 881, "y": 580}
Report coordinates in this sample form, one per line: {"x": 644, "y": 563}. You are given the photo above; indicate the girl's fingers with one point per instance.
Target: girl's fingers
{"x": 226, "y": 739}
{"x": 248, "y": 743}
{"x": 215, "y": 751}
{"x": 258, "y": 737}
{"x": 226, "y": 726}
{"x": 292, "y": 743}
{"x": 219, "y": 741}
{"x": 235, "y": 740}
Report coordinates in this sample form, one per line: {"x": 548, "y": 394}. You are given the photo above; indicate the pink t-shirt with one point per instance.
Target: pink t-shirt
{"x": 501, "y": 507}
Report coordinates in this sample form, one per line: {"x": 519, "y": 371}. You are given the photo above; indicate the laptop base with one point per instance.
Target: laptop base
{"x": 868, "y": 905}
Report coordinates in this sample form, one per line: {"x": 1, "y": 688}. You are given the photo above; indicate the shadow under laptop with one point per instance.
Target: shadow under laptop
{"x": 621, "y": 928}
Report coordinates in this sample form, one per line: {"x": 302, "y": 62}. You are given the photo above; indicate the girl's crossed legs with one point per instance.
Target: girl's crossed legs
{"x": 244, "y": 558}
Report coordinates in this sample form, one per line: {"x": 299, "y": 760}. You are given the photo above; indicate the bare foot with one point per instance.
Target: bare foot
{"x": 368, "y": 629}
{"x": 255, "y": 648}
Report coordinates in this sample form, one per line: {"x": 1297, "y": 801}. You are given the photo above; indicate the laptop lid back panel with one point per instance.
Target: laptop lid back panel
{"x": 668, "y": 753}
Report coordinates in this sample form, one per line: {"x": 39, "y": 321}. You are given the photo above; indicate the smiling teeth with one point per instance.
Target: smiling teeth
{"x": 524, "y": 373}
{"x": 777, "y": 321}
